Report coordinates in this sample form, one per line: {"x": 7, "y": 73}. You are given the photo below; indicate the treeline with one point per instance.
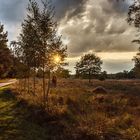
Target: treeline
{"x": 89, "y": 67}
{"x": 123, "y": 75}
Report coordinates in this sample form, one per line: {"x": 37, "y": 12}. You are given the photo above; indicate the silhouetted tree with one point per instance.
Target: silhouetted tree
{"x": 41, "y": 46}
{"x": 134, "y": 19}
{"x": 30, "y": 44}
{"x": 5, "y": 54}
{"x": 136, "y": 59}
{"x": 89, "y": 65}
{"x": 20, "y": 68}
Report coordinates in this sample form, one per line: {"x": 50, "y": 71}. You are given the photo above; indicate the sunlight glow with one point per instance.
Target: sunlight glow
{"x": 56, "y": 59}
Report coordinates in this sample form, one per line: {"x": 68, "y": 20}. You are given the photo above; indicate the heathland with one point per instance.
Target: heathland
{"x": 76, "y": 110}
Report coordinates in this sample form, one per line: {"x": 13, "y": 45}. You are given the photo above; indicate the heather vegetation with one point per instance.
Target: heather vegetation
{"x": 76, "y": 111}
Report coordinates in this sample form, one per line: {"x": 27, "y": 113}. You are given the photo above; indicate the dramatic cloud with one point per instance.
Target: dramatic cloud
{"x": 70, "y": 8}
{"x": 86, "y": 25}
{"x": 12, "y": 13}
{"x": 101, "y": 27}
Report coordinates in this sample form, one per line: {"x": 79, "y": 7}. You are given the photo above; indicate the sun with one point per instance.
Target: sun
{"x": 56, "y": 59}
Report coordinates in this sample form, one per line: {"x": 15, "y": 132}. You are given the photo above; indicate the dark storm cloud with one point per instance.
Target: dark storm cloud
{"x": 14, "y": 10}
{"x": 101, "y": 28}
{"x": 12, "y": 13}
{"x": 68, "y": 7}
{"x": 87, "y": 25}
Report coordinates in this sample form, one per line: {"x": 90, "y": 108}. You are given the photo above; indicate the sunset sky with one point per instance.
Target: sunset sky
{"x": 97, "y": 26}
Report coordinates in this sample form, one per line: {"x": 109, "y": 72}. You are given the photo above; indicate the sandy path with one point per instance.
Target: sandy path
{"x": 8, "y": 83}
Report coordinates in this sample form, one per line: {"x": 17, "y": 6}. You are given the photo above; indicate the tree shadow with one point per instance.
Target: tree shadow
{"x": 22, "y": 121}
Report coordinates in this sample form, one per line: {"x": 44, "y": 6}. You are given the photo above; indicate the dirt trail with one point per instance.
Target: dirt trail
{"x": 8, "y": 83}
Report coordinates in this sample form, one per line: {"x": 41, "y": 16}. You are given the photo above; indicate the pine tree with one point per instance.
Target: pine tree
{"x": 5, "y": 54}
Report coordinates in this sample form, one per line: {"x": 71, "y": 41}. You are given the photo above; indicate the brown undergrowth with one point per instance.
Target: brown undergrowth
{"x": 76, "y": 112}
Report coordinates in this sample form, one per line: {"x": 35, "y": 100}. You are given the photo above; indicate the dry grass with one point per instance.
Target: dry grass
{"x": 76, "y": 112}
